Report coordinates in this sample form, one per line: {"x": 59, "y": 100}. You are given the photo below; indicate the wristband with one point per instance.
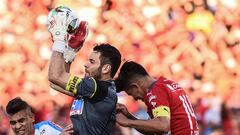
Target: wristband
{"x": 59, "y": 46}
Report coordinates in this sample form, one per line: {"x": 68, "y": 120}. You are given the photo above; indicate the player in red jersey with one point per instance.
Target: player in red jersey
{"x": 168, "y": 105}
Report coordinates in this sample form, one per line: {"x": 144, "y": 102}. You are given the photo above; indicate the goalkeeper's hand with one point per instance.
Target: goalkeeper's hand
{"x": 58, "y": 29}
{"x": 58, "y": 26}
{"x": 76, "y": 42}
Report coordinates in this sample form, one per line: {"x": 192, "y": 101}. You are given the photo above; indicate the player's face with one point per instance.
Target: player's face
{"x": 135, "y": 91}
{"x": 93, "y": 66}
{"x": 22, "y": 123}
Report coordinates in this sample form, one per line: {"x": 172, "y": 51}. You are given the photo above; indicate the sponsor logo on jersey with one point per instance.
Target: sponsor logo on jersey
{"x": 77, "y": 107}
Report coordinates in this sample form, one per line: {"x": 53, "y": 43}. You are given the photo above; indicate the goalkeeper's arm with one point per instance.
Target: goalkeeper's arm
{"x": 59, "y": 70}
{"x": 59, "y": 89}
{"x": 56, "y": 87}
{"x": 57, "y": 73}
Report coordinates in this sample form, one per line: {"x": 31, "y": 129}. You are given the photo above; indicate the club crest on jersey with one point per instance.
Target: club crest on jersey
{"x": 173, "y": 86}
{"x": 153, "y": 104}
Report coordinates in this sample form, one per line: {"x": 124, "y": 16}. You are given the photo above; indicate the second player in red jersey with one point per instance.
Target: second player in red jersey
{"x": 168, "y": 105}
{"x": 167, "y": 98}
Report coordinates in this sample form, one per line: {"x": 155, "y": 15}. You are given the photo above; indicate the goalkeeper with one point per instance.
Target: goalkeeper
{"x": 93, "y": 110}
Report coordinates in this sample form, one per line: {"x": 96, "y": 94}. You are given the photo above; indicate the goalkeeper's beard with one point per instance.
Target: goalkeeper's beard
{"x": 95, "y": 74}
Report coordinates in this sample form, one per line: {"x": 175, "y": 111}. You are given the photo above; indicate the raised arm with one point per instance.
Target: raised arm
{"x": 59, "y": 89}
{"x": 58, "y": 74}
{"x": 64, "y": 51}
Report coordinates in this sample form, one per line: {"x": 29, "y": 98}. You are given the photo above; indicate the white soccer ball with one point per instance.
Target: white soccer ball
{"x": 64, "y": 13}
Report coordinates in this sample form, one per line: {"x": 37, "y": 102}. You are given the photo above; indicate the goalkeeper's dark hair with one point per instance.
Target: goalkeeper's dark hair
{"x": 109, "y": 55}
{"x": 129, "y": 72}
{"x": 16, "y": 105}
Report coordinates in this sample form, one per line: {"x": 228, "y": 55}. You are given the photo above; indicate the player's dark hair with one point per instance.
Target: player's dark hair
{"x": 16, "y": 105}
{"x": 129, "y": 72}
{"x": 109, "y": 55}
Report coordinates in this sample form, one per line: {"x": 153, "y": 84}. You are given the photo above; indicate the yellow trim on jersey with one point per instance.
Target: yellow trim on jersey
{"x": 95, "y": 87}
{"x": 72, "y": 84}
{"x": 161, "y": 111}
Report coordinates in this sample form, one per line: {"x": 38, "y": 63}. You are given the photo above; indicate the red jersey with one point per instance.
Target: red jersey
{"x": 167, "y": 98}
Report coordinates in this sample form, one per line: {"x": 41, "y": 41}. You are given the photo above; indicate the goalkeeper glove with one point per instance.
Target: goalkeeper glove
{"x": 75, "y": 42}
{"x": 58, "y": 28}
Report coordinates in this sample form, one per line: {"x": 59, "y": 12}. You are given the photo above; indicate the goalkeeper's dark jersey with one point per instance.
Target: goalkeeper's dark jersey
{"x": 93, "y": 111}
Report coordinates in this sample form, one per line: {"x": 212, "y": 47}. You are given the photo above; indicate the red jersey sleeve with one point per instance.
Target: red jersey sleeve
{"x": 158, "y": 101}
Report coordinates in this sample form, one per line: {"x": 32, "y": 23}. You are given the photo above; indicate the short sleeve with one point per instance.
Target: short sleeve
{"x": 160, "y": 101}
{"x": 93, "y": 89}
{"x": 47, "y": 128}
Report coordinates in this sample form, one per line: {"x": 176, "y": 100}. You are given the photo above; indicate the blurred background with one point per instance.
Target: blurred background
{"x": 193, "y": 42}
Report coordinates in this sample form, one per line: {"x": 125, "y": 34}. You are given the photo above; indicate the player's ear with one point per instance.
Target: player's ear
{"x": 134, "y": 86}
{"x": 106, "y": 68}
{"x": 33, "y": 118}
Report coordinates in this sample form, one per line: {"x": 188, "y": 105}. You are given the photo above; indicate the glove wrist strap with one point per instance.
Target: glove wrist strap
{"x": 59, "y": 46}
{"x": 69, "y": 54}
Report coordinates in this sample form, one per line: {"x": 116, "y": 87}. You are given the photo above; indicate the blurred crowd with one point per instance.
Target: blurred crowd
{"x": 193, "y": 42}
